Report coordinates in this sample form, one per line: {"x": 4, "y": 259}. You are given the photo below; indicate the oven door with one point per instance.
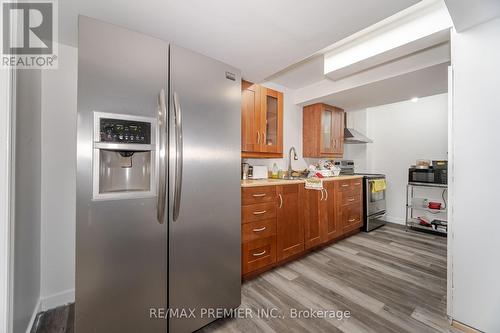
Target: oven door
{"x": 375, "y": 201}
{"x": 375, "y": 221}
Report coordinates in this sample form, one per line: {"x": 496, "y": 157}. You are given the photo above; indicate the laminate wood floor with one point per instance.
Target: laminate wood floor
{"x": 389, "y": 280}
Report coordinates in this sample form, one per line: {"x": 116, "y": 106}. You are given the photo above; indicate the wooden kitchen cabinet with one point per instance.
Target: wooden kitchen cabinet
{"x": 261, "y": 121}
{"x": 323, "y": 131}
{"x": 280, "y": 222}
{"x": 329, "y": 220}
{"x": 258, "y": 218}
{"x": 349, "y": 205}
{"x": 311, "y": 203}
{"x": 290, "y": 226}
{"x": 258, "y": 254}
{"x": 320, "y": 218}
{"x": 250, "y": 117}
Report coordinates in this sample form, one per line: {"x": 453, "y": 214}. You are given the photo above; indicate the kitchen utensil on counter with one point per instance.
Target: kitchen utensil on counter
{"x": 260, "y": 172}
{"x": 245, "y": 168}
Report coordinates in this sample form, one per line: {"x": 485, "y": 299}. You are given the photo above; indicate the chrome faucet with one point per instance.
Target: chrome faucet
{"x": 295, "y": 157}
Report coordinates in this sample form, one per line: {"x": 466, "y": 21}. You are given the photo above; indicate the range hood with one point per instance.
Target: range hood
{"x": 351, "y": 136}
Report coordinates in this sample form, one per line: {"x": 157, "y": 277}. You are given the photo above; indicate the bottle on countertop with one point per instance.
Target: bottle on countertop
{"x": 275, "y": 170}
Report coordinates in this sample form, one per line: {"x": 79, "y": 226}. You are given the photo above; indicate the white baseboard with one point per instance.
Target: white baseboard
{"x": 394, "y": 219}
{"x": 55, "y": 300}
{"x": 38, "y": 308}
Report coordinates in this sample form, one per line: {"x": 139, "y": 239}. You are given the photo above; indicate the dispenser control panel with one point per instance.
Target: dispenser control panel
{"x": 124, "y": 131}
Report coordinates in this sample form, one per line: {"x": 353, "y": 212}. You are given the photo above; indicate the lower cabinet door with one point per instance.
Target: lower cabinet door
{"x": 290, "y": 225}
{"x": 311, "y": 201}
{"x": 258, "y": 253}
{"x": 351, "y": 217}
{"x": 331, "y": 227}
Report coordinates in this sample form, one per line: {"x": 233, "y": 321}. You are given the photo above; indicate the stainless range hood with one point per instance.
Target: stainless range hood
{"x": 351, "y": 136}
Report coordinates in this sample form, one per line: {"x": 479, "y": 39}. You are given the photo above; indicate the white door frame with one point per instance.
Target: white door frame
{"x": 451, "y": 192}
{"x": 7, "y": 119}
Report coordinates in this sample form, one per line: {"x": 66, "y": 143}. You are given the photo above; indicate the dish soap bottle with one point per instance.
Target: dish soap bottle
{"x": 275, "y": 170}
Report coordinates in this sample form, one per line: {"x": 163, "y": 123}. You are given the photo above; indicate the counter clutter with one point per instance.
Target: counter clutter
{"x": 274, "y": 182}
{"x": 282, "y": 220}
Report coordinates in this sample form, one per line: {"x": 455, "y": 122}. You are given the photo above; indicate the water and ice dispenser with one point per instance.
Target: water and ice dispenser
{"x": 124, "y": 161}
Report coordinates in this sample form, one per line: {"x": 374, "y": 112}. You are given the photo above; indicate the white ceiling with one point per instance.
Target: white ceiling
{"x": 467, "y": 13}
{"x": 425, "y": 82}
{"x": 301, "y": 74}
{"x": 261, "y": 37}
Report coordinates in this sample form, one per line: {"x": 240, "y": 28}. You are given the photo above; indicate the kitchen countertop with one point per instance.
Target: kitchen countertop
{"x": 271, "y": 182}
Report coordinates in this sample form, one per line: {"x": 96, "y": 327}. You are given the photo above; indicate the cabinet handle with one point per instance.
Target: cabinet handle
{"x": 351, "y": 199}
{"x": 357, "y": 184}
{"x": 263, "y": 138}
{"x": 326, "y": 194}
{"x": 259, "y": 254}
{"x": 321, "y": 199}
{"x": 259, "y": 229}
{"x": 258, "y": 137}
{"x": 260, "y": 213}
{"x": 281, "y": 200}
{"x": 352, "y": 220}
{"x": 258, "y": 195}
{"x": 345, "y": 185}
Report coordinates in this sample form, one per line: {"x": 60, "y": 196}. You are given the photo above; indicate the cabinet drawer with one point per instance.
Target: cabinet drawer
{"x": 254, "y": 195}
{"x": 258, "y": 212}
{"x": 351, "y": 184}
{"x": 352, "y": 217}
{"x": 345, "y": 185}
{"x": 258, "y": 229}
{"x": 350, "y": 197}
{"x": 258, "y": 254}
{"x": 357, "y": 184}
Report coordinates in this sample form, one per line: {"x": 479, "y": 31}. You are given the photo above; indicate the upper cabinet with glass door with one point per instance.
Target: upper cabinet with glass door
{"x": 323, "y": 131}
{"x": 261, "y": 121}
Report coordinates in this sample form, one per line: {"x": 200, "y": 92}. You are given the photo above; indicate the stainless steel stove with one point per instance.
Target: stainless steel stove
{"x": 374, "y": 203}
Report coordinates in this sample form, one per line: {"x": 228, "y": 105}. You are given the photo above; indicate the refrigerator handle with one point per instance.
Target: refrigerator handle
{"x": 179, "y": 160}
{"x": 162, "y": 187}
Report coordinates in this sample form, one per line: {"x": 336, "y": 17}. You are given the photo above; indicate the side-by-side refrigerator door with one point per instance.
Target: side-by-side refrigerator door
{"x": 204, "y": 188}
{"x": 121, "y": 246}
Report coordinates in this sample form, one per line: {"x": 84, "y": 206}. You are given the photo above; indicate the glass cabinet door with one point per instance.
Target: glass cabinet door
{"x": 271, "y": 136}
{"x": 338, "y": 132}
{"x": 272, "y": 120}
{"x": 326, "y": 131}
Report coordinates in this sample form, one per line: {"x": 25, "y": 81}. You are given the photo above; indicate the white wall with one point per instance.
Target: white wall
{"x": 26, "y": 277}
{"x": 58, "y": 165}
{"x": 402, "y": 133}
{"x": 475, "y": 242}
{"x": 292, "y": 132}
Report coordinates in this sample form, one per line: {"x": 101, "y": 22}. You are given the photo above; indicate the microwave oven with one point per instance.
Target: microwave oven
{"x": 430, "y": 175}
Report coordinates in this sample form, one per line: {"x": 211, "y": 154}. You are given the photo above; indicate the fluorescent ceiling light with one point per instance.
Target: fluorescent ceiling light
{"x": 422, "y": 20}
{"x": 414, "y": 99}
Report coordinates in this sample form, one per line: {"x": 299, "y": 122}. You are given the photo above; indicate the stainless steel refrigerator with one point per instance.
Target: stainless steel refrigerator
{"x": 158, "y": 192}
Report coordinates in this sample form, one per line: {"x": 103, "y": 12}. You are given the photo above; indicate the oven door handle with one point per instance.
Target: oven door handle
{"x": 378, "y": 215}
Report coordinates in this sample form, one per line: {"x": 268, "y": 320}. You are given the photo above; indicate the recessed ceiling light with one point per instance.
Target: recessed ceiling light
{"x": 414, "y": 99}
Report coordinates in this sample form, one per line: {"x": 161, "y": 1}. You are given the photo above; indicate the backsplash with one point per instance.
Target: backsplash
{"x": 282, "y": 163}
